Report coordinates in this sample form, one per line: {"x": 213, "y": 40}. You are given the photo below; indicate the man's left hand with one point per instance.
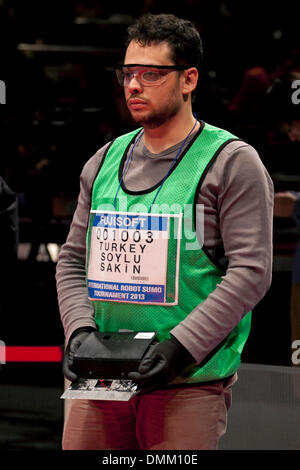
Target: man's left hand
{"x": 284, "y": 203}
{"x": 162, "y": 364}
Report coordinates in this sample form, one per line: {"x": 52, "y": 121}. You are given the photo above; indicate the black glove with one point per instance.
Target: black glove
{"x": 162, "y": 364}
{"x": 76, "y": 339}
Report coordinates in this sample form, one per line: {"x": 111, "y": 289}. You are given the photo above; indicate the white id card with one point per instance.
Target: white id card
{"x": 128, "y": 257}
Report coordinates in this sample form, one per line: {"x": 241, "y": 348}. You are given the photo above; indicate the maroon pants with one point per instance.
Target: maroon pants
{"x": 190, "y": 418}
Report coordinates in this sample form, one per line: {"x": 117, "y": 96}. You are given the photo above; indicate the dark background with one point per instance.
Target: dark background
{"x": 57, "y": 59}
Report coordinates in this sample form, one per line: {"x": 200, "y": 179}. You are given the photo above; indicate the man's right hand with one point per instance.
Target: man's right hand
{"x": 77, "y": 338}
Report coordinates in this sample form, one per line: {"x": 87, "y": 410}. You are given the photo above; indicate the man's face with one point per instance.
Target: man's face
{"x": 292, "y": 129}
{"x": 152, "y": 105}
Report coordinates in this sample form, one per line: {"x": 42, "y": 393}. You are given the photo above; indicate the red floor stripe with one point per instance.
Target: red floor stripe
{"x": 32, "y": 354}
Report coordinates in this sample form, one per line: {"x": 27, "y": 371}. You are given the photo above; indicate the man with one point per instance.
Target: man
{"x": 171, "y": 164}
{"x": 9, "y": 229}
{"x": 282, "y": 109}
{"x": 287, "y": 204}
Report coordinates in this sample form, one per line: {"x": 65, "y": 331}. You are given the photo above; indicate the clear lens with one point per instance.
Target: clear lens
{"x": 148, "y": 77}
{"x": 151, "y": 76}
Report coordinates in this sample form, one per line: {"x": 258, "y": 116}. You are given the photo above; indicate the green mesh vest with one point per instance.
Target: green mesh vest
{"x": 197, "y": 275}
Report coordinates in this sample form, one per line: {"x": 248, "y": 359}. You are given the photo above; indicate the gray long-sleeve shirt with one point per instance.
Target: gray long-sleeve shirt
{"x": 237, "y": 194}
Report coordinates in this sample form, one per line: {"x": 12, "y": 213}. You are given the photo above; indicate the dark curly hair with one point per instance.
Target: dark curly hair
{"x": 181, "y": 35}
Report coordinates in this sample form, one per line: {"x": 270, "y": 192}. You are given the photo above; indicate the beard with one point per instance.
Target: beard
{"x": 160, "y": 116}
{"x": 157, "y": 119}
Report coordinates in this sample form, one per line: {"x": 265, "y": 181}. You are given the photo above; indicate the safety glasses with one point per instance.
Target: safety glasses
{"x": 147, "y": 75}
